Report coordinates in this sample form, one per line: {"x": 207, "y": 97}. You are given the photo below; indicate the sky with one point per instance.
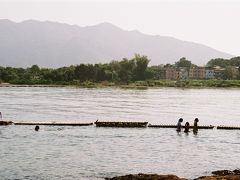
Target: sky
{"x": 214, "y": 23}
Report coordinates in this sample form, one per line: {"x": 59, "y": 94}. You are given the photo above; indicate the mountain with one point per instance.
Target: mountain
{"x": 52, "y": 44}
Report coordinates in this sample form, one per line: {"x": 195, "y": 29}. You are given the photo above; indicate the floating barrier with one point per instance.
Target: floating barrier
{"x": 228, "y": 127}
{"x": 5, "y": 123}
{"x": 162, "y": 126}
{"x": 129, "y": 124}
{"x": 52, "y": 124}
{"x": 175, "y": 126}
{"x": 121, "y": 124}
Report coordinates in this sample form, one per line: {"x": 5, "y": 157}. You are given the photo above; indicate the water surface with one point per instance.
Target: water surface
{"x": 95, "y": 153}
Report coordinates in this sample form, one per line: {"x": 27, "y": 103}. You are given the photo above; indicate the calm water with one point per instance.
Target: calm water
{"x": 95, "y": 153}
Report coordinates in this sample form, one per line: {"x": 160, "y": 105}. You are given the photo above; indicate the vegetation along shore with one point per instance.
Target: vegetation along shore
{"x": 129, "y": 73}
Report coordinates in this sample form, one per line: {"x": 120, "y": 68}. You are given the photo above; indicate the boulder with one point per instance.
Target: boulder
{"x": 222, "y": 175}
{"x": 146, "y": 177}
{"x": 236, "y": 171}
{"x": 222, "y": 172}
{"x": 226, "y": 177}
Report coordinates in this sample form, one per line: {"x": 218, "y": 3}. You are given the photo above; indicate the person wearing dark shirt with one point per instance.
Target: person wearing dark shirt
{"x": 186, "y": 130}
{"x": 195, "y": 126}
{"x": 179, "y": 126}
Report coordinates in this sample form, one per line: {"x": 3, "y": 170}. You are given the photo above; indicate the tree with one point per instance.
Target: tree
{"x": 35, "y": 70}
{"x": 183, "y": 62}
{"x": 156, "y": 72}
{"x": 126, "y": 70}
{"x": 228, "y": 73}
{"x": 141, "y": 67}
{"x": 100, "y": 74}
{"x": 218, "y": 62}
{"x": 9, "y": 74}
{"x": 235, "y": 61}
{"x": 80, "y": 72}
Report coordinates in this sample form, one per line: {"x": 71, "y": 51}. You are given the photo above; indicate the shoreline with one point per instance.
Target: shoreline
{"x": 216, "y": 175}
{"x": 183, "y": 84}
{"x": 30, "y": 85}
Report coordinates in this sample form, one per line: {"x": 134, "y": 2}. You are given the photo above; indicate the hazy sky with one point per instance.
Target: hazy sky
{"x": 211, "y": 22}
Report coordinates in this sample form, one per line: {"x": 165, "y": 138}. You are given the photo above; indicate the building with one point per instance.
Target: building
{"x": 183, "y": 73}
{"x": 209, "y": 73}
{"x": 197, "y": 73}
{"x": 218, "y": 72}
{"x": 172, "y": 73}
{"x": 235, "y": 72}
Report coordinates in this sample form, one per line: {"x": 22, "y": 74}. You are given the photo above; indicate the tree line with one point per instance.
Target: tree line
{"x": 123, "y": 71}
{"x": 126, "y": 70}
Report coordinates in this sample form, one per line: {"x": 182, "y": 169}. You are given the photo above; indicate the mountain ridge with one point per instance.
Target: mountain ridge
{"x": 53, "y": 44}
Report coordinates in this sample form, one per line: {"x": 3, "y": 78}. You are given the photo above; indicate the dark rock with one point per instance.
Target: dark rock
{"x": 201, "y": 177}
{"x": 236, "y": 171}
{"x": 218, "y": 175}
{"x": 222, "y": 175}
{"x": 226, "y": 177}
{"x": 222, "y": 172}
{"x": 146, "y": 177}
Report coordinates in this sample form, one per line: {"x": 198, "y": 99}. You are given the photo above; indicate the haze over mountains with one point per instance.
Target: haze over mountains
{"x": 51, "y": 44}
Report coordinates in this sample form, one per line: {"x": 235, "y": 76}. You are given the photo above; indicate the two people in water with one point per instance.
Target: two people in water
{"x": 187, "y": 126}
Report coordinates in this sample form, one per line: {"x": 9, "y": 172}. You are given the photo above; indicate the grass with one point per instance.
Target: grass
{"x": 151, "y": 83}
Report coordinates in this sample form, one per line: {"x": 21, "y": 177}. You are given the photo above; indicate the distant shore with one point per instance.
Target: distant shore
{"x": 29, "y": 85}
{"x": 140, "y": 84}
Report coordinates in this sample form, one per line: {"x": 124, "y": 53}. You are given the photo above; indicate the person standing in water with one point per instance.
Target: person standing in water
{"x": 186, "y": 130}
{"x": 179, "y": 126}
{"x": 195, "y": 126}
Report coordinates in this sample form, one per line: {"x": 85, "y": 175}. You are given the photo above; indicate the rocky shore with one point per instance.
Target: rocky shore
{"x": 216, "y": 175}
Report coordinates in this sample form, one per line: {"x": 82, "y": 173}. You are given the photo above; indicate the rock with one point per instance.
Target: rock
{"x": 226, "y": 177}
{"x": 222, "y": 172}
{"x": 236, "y": 171}
{"x": 222, "y": 175}
{"x": 218, "y": 175}
{"x": 146, "y": 177}
{"x": 201, "y": 177}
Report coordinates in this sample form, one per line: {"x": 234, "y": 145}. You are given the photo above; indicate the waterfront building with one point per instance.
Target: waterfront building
{"x": 183, "y": 73}
{"x": 209, "y": 73}
{"x": 235, "y": 72}
{"x": 218, "y": 72}
{"x": 172, "y": 73}
{"x": 197, "y": 73}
